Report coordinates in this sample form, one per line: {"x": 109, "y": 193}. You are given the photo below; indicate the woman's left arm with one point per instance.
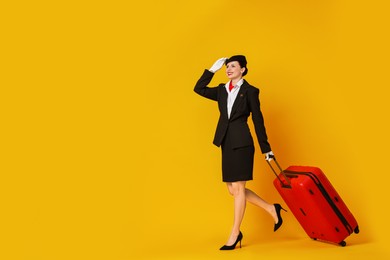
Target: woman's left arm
{"x": 258, "y": 120}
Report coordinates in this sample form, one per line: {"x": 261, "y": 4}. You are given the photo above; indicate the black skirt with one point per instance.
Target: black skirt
{"x": 237, "y": 164}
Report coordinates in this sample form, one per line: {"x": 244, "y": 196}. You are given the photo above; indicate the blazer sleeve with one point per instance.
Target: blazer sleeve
{"x": 258, "y": 120}
{"x": 202, "y": 89}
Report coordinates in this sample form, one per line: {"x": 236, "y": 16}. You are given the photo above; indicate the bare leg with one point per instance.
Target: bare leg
{"x": 256, "y": 200}
{"x": 237, "y": 189}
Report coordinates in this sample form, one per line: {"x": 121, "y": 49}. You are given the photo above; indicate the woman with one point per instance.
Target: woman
{"x": 237, "y": 99}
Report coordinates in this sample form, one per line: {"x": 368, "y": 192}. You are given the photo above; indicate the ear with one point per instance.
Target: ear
{"x": 243, "y": 70}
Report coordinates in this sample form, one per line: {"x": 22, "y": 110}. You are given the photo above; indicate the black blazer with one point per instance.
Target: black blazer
{"x": 236, "y": 126}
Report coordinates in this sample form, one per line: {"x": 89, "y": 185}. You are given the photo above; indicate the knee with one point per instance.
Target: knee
{"x": 237, "y": 190}
{"x": 231, "y": 190}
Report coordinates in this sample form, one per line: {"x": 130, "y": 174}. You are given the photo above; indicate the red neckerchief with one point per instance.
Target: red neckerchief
{"x": 231, "y": 86}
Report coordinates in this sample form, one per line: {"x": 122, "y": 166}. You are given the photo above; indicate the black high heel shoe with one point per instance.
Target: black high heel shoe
{"x": 278, "y": 208}
{"x": 239, "y": 238}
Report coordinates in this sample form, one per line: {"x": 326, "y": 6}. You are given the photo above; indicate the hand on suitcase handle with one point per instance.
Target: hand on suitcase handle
{"x": 269, "y": 156}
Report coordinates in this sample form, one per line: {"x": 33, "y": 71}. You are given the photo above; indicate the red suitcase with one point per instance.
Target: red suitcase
{"x": 315, "y": 203}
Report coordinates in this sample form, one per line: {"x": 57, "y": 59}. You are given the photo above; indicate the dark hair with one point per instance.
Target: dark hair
{"x": 241, "y": 60}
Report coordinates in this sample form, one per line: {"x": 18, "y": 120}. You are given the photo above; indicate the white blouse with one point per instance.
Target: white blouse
{"x": 232, "y": 94}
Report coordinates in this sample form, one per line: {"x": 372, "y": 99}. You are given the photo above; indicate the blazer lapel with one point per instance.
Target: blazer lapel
{"x": 223, "y": 102}
{"x": 240, "y": 96}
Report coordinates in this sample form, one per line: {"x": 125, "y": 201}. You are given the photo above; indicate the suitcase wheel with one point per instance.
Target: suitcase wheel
{"x": 342, "y": 243}
{"x": 356, "y": 230}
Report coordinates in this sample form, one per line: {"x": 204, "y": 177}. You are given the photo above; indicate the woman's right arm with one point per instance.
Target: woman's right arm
{"x": 201, "y": 86}
{"x": 202, "y": 89}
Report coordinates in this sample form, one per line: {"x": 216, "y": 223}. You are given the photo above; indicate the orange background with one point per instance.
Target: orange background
{"x": 107, "y": 150}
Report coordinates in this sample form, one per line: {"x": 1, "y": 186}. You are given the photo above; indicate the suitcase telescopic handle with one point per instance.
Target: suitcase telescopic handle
{"x": 282, "y": 172}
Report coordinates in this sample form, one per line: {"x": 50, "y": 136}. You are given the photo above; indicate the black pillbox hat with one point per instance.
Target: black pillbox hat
{"x": 241, "y": 60}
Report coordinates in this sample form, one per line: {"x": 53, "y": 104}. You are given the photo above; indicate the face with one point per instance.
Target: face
{"x": 233, "y": 70}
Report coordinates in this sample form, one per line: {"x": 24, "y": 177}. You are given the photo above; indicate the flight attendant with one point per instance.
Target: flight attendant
{"x": 237, "y": 100}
